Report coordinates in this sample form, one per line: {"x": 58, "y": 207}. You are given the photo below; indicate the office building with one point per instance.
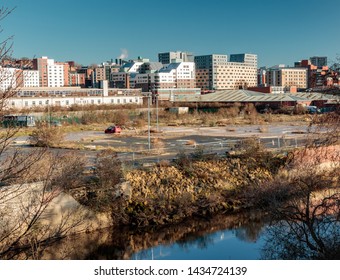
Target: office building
{"x": 174, "y": 75}
{"x": 246, "y": 58}
{"x": 287, "y": 77}
{"x": 178, "y": 56}
{"x": 215, "y": 72}
{"x": 319, "y": 61}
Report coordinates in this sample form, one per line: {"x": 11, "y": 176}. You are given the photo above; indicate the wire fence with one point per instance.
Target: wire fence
{"x": 148, "y": 157}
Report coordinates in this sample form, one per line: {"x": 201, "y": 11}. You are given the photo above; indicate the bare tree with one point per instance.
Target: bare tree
{"x": 6, "y": 45}
{"x": 304, "y": 199}
{"x": 30, "y": 182}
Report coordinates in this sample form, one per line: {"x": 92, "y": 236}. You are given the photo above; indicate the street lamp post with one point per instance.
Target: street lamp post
{"x": 149, "y": 140}
{"x": 49, "y": 114}
{"x": 157, "y": 112}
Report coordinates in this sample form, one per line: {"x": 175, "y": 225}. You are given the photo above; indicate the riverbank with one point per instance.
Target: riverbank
{"x": 201, "y": 185}
{"x": 192, "y": 187}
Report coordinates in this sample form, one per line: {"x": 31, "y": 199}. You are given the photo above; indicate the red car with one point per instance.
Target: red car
{"x": 113, "y": 129}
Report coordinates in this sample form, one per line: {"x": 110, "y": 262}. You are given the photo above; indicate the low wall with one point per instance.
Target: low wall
{"x": 58, "y": 213}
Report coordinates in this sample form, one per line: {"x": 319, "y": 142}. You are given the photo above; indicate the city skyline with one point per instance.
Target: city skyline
{"x": 279, "y": 32}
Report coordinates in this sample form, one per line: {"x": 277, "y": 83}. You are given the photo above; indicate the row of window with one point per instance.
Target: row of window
{"x": 233, "y": 83}
{"x": 67, "y": 102}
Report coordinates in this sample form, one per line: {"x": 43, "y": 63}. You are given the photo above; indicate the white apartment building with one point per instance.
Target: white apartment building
{"x": 182, "y": 74}
{"x": 174, "y": 75}
{"x": 30, "y": 78}
{"x": 29, "y": 102}
{"x": 51, "y": 73}
{"x": 8, "y": 78}
{"x": 163, "y": 78}
{"x": 55, "y": 74}
{"x": 68, "y": 96}
{"x": 12, "y": 78}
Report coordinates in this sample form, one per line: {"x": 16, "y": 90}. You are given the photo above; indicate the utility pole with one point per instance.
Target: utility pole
{"x": 149, "y": 140}
{"x": 157, "y": 112}
{"x": 49, "y": 114}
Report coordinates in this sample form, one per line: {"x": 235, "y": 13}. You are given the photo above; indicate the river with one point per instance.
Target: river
{"x": 221, "y": 237}
{"x": 247, "y": 236}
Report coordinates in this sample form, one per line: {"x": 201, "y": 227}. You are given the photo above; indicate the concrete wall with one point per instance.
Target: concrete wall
{"x": 62, "y": 214}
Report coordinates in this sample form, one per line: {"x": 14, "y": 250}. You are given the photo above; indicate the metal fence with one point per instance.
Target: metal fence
{"x": 148, "y": 157}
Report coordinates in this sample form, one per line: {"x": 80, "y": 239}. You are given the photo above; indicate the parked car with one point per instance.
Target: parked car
{"x": 313, "y": 110}
{"x": 113, "y": 129}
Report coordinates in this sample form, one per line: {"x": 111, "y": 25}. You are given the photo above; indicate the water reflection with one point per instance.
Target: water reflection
{"x": 221, "y": 245}
{"x": 236, "y": 237}
{"x": 309, "y": 239}
{"x": 222, "y": 237}
{"x": 306, "y": 227}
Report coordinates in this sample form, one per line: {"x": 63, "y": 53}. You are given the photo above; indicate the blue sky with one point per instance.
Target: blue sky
{"x": 278, "y": 31}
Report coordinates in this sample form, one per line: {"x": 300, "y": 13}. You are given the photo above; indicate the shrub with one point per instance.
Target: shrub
{"x": 88, "y": 117}
{"x": 108, "y": 169}
{"x": 46, "y": 136}
{"x": 250, "y": 113}
{"x": 230, "y": 112}
{"x": 101, "y": 188}
{"x": 139, "y": 123}
{"x": 120, "y": 118}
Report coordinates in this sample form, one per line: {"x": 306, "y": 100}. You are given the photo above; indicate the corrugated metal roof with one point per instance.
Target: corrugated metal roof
{"x": 253, "y": 96}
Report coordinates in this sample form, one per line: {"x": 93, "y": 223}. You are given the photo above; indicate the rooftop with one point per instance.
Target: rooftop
{"x": 253, "y": 96}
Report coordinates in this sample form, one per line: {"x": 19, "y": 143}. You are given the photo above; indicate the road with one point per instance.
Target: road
{"x": 173, "y": 140}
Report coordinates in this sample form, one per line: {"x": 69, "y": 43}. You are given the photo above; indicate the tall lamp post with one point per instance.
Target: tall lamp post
{"x": 155, "y": 99}
{"x": 157, "y": 112}
{"x": 149, "y": 140}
